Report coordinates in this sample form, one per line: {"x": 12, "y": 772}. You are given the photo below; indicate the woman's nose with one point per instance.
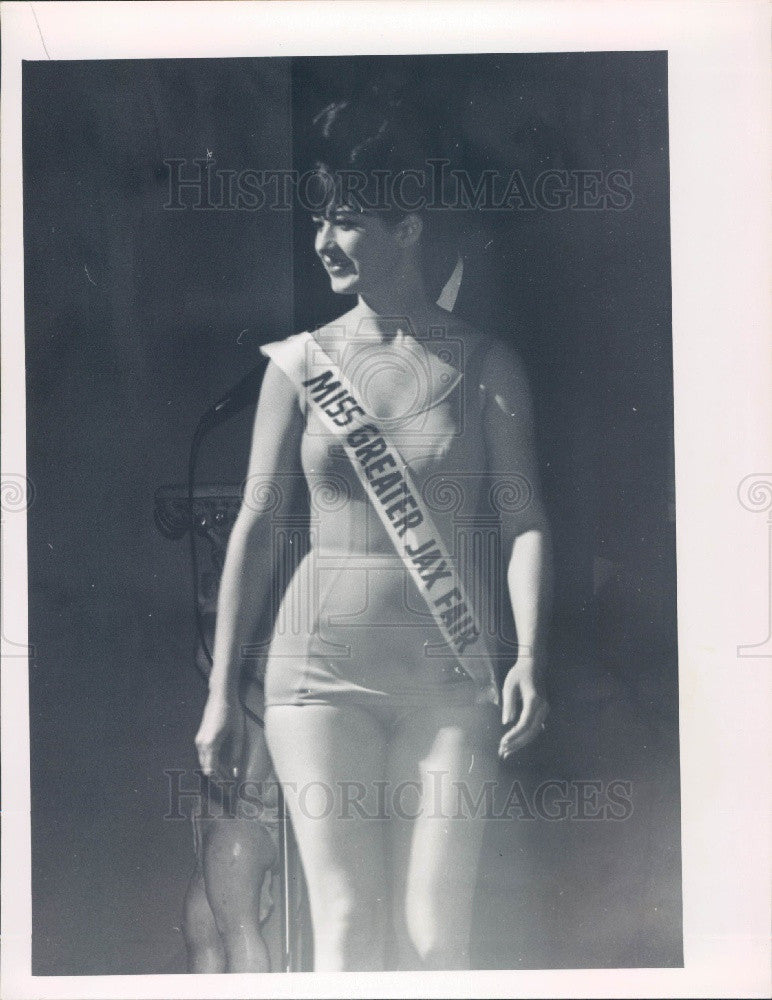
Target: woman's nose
{"x": 324, "y": 237}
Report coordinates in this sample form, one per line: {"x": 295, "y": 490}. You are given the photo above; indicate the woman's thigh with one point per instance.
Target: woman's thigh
{"x": 443, "y": 759}
{"x": 330, "y": 762}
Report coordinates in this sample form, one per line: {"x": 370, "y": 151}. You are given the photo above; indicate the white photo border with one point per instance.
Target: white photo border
{"x": 719, "y": 114}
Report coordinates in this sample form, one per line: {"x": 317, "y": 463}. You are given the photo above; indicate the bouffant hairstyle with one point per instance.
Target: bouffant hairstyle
{"x": 376, "y": 151}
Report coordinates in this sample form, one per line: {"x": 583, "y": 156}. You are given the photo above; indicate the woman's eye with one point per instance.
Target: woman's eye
{"x": 345, "y": 223}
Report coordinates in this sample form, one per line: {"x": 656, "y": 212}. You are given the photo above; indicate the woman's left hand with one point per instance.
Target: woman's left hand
{"x": 522, "y": 703}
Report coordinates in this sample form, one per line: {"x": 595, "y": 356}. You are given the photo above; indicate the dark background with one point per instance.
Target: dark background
{"x": 138, "y": 317}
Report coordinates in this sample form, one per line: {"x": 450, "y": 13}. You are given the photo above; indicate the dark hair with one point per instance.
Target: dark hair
{"x": 384, "y": 138}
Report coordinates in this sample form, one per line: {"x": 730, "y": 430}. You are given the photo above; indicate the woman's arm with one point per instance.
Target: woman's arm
{"x": 274, "y": 470}
{"x": 510, "y": 443}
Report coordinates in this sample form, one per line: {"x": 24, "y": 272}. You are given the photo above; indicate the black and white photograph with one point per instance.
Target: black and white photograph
{"x": 354, "y": 577}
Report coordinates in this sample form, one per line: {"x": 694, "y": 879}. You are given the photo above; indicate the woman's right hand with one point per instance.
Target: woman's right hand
{"x": 220, "y": 738}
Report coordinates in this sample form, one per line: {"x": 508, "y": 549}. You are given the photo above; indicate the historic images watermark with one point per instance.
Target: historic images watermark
{"x": 201, "y": 185}
{"x": 440, "y": 797}
{"x": 755, "y": 494}
{"x": 17, "y": 494}
{"x": 424, "y": 366}
{"x": 471, "y": 506}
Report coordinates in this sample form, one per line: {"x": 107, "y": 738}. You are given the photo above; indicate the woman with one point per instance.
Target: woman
{"x": 382, "y": 742}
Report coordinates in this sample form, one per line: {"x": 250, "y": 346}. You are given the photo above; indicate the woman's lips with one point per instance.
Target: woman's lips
{"x": 338, "y": 265}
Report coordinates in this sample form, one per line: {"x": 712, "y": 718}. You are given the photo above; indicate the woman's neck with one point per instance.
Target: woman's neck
{"x": 404, "y": 307}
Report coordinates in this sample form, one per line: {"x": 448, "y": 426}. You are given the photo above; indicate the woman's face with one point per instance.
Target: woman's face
{"x": 359, "y": 252}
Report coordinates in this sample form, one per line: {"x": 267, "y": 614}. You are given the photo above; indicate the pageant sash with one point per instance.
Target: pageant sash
{"x": 386, "y": 479}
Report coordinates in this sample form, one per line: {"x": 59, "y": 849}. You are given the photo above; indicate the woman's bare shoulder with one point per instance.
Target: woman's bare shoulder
{"x": 486, "y": 345}
{"x": 454, "y": 327}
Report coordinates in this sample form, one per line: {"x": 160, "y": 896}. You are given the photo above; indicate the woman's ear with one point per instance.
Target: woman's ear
{"x": 409, "y": 229}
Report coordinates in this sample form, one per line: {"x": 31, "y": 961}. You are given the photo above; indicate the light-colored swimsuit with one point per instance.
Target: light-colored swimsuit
{"x": 352, "y": 625}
